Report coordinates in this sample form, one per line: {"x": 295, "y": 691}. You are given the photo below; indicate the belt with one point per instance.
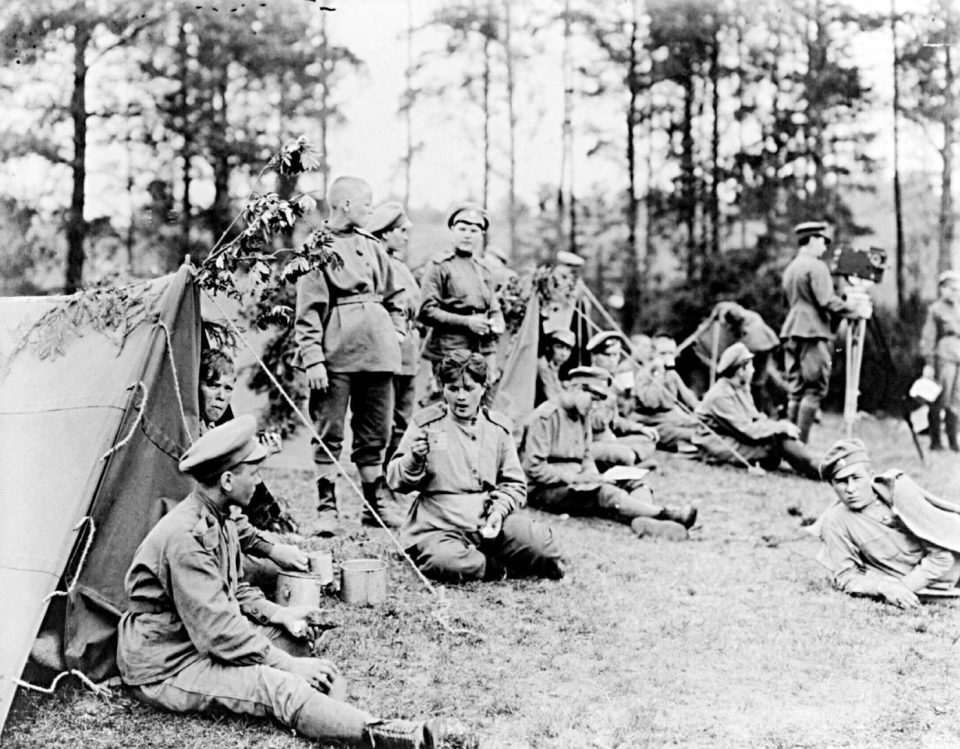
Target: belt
{"x": 358, "y": 299}
{"x": 552, "y": 459}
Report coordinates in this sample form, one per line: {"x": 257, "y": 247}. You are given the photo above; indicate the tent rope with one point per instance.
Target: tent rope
{"x": 136, "y": 422}
{"x": 316, "y": 437}
{"x": 610, "y": 321}
{"x": 93, "y": 687}
{"x": 176, "y": 380}
{"x": 81, "y": 563}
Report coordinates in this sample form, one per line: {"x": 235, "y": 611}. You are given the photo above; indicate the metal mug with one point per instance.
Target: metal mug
{"x": 298, "y": 589}
{"x": 321, "y": 565}
{"x": 363, "y": 581}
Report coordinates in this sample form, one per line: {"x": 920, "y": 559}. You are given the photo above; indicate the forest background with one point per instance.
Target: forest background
{"x": 671, "y": 143}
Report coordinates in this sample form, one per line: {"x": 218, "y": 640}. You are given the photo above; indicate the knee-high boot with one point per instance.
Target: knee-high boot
{"x": 950, "y": 423}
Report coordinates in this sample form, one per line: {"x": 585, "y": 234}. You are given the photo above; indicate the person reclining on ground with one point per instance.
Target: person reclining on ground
{"x": 195, "y": 638}
{"x": 463, "y": 460}
{"x": 663, "y": 401}
{"x": 218, "y": 378}
{"x": 616, "y": 440}
{"x": 885, "y": 537}
{"x": 563, "y": 476}
{"x": 739, "y": 427}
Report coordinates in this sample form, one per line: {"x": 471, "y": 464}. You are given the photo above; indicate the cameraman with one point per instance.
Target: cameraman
{"x": 807, "y": 332}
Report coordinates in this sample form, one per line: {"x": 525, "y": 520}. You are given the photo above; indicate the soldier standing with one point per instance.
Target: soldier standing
{"x": 348, "y": 328}
{"x": 808, "y": 330}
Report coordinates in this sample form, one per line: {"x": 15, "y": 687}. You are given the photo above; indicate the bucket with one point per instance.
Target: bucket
{"x": 321, "y": 565}
{"x": 299, "y": 589}
{"x": 363, "y": 581}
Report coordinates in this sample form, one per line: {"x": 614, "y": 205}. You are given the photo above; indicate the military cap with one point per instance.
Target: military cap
{"x": 594, "y": 379}
{"x": 811, "y": 229}
{"x": 732, "y": 357}
{"x": 468, "y": 213}
{"x": 563, "y": 335}
{"x": 602, "y": 341}
{"x": 948, "y": 275}
{"x": 569, "y": 258}
{"x": 390, "y": 214}
{"x": 224, "y": 447}
{"x": 841, "y": 455}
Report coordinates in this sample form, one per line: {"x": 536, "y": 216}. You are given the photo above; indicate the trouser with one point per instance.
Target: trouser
{"x": 523, "y": 548}
{"x": 808, "y": 363}
{"x": 674, "y": 427}
{"x": 600, "y": 499}
{"x": 404, "y": 396}
{"x": 211, "y": 686}
{"x": 370, "y": 396}
{"x": 948, "y": 376}
{"x": 767, "y": 454}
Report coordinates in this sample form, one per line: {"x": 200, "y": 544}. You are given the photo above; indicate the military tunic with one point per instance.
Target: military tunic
{"x": 656, "y": 404}
{"x": 404, "y": 383}
{"x": 729, "y": 410}
{"x": 548, "y": 379}
{"x": 557, "y": 451}
{"x": 348, "y": 318}
{"x": 864, "y": 547}
{"x": 940, "y": 347}
{"x": 808, "y": 330}
{"x": 455, "y": 287}
{"x": 470, "y": 469}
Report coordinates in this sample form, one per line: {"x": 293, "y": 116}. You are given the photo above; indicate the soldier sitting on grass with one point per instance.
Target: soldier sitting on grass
{"x": 195, "y": 638}
{"x": 886, "y": 537}
{"x": 563, "y": 475}
{"x": 463, "y": 460}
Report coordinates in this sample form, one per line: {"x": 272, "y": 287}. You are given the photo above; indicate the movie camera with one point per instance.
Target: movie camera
{"x": 855, "y": 262}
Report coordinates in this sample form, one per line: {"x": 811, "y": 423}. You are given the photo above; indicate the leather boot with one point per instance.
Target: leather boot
{"x": 326, "y": 523}
{"x": 384, "y": 502}
{"x": 686, "y": 516}
{"x": 652, "y": 528}
{"x": 950, "y": 423}
{"x": 793, "y": 408}
{"x": 933, "y": 428}
{"x": 806, "y": 416}
{"x": 435, "y": 733}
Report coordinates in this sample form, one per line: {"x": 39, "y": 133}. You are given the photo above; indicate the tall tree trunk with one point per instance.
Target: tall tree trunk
{"x": 945, "y": 254}
{"x": 564, "y": 199}
{"x": 487, "y": 74}
{"x": 327, "y": 72}
{"x": 897, "y": 205}
{"x": 714, "y": 199}
{"x": 183, "y": 52}
{"x": 220, "y": 211}
{"x": 511, "y": 127}
{"x": 688, "y": 198}
{"x": 76, "y": 228}
{"x": 408, "y": 107}
{"x": 631, "y": 269}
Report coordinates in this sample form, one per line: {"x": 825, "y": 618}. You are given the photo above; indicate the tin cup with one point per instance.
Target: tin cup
{"x": 321, "y": 565}
{"x": 363, "y": 581}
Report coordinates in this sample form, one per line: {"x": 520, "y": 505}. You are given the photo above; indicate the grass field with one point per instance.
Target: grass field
{"x": 732, "y": 639}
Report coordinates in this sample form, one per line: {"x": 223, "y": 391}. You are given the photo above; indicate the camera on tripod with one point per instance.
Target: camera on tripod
{"x": 844, "y": 260}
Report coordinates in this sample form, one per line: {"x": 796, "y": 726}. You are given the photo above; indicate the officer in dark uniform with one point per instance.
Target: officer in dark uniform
{"x": 808, "y": 330}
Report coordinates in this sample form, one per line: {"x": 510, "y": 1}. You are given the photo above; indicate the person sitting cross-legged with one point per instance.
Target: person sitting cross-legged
{"x": 738, "y": 426}
{"x": 886, "y": 537}
{"x": 195, "y": 638}
{"x": 462, "y": 460}
{"x": 563, "y": 475}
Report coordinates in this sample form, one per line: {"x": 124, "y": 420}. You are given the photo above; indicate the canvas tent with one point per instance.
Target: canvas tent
{"x": 61, "y": 411}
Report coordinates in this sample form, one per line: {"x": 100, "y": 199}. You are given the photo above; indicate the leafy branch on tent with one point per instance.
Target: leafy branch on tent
{"x": 553, "y": 287}
{"x": 248, "y": 267}
{"x": 112, "y": 311}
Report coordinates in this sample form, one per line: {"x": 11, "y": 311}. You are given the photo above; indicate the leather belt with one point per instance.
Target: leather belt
{"x": 358, "y": 299}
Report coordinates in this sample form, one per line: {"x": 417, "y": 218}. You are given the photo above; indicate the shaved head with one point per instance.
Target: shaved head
{"x": 347, "y": 188}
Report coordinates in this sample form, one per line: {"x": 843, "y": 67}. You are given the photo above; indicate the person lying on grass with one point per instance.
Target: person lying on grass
{"x": 886, "y": 537}
{"x": 563, "y": 474}
{"x": 463, "y": 460}
{"x": 195, "y": 638}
